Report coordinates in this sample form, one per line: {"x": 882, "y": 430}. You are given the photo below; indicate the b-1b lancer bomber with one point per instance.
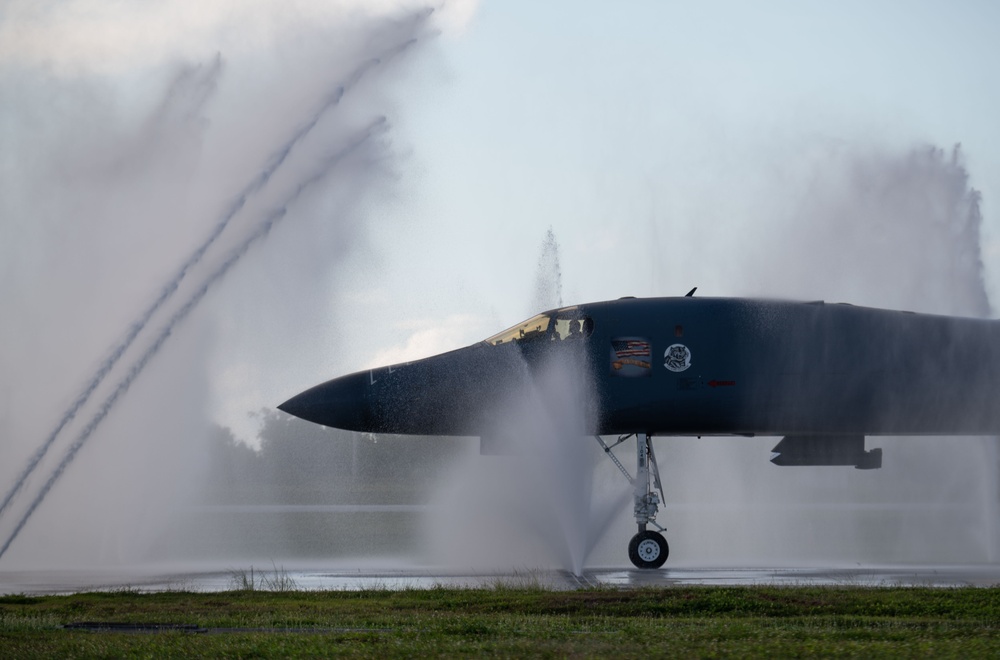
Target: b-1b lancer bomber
{"x": 822, "y": 376}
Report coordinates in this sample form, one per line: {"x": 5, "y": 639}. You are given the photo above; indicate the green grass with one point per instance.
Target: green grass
{"x": 511, "y": 621}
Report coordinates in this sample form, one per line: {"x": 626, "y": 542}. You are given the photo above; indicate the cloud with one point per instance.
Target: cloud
{"x": 430, "y": 338}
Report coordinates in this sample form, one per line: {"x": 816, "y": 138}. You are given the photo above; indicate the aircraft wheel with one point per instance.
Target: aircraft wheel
{"x": 648, "y": 549}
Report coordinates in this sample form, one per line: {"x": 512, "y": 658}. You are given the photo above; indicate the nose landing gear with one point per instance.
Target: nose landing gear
{"x": 647, "y": 549}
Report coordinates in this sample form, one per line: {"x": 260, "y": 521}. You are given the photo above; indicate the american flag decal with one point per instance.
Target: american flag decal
{"x": 631, "y": 357}
{"x": 631, "y": 348}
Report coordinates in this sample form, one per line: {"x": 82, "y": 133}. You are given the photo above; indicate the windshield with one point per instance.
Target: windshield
{"x": 557, "y": 326}
{"x": 535, "y": 327}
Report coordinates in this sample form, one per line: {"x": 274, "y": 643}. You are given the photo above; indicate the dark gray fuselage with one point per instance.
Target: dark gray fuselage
{"x": 701, "y": 366}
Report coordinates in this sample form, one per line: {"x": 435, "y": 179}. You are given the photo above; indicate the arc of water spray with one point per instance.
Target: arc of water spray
{"x": 261, "y": 231}
{"x": 255, "y": 185}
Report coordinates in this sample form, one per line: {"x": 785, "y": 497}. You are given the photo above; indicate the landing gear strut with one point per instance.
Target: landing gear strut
{"x": 647, "y": 549}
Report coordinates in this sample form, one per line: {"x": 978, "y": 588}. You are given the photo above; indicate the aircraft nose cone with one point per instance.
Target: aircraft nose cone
{"x": 341, "y": 403}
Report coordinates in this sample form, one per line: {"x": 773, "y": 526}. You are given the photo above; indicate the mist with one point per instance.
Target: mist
{"x": 532, "y": 506}
{"x": 158, "y": 208}
{"x": 890, "y": 227}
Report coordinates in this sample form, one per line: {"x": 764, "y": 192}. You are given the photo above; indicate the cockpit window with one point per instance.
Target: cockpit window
{"x": 572, "y": 328}
{"x": 565, "y": 324}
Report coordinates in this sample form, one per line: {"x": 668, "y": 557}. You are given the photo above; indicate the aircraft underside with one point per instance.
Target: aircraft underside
{"x": 649, "y": 548}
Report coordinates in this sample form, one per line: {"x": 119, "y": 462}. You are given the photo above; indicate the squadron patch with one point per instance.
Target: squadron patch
{"x": 677, "y": 357}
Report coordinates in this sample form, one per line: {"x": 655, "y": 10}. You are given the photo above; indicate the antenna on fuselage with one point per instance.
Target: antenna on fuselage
{"x": 690, "y": 294}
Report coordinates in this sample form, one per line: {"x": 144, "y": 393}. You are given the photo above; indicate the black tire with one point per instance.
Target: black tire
{"x": 648, "y": 549}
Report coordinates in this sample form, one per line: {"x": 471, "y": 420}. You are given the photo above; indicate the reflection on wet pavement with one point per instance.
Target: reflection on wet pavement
{"x": 217, "y": 578}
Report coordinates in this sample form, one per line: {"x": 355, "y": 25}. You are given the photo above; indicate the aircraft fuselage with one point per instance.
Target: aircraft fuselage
{"x": 698, "y": 366}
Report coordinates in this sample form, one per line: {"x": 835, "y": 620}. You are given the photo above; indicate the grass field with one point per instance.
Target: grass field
{"x": 509, "y": 621}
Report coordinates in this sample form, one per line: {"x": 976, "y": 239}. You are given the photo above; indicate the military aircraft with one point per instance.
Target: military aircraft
{"x": 823, "y": 376}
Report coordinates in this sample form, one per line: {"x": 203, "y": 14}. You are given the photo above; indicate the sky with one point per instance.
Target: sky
{"x": 385, "y": 180}
{"x": 620, "y": 125}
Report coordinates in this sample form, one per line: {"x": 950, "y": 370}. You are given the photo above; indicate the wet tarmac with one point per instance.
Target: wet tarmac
{"x": 278, "y": 577}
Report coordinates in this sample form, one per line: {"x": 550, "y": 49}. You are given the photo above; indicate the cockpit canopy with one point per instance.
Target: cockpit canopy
{"x": 563, "y": 324}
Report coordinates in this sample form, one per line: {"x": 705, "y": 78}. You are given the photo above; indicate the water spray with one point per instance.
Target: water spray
{"x": 548, "y": 275}
{"x": 261, "y": 231}
{"x": 256, "y": 185}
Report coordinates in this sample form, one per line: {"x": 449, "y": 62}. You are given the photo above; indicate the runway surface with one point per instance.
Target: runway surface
{"x": 211, "y": 579}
